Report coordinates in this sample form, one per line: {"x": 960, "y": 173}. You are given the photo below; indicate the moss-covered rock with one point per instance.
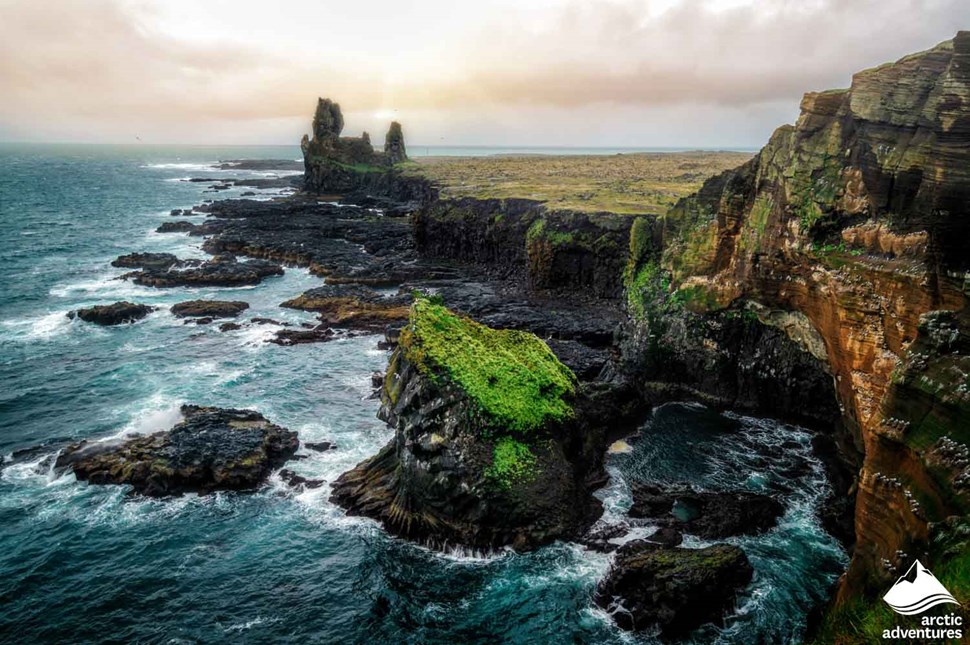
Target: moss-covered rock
{"x": 671, "y": 588}
{"x": 494, "y": 445}
{"x": 512, "y": 377}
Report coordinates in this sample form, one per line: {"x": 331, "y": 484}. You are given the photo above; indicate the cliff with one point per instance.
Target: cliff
{"x": 849, "y": 232}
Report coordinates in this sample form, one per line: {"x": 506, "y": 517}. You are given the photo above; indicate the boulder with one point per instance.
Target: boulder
{"x": 299, "y": 481}
{"x": 675, "y": 589}
{"x": 210, "y": 308}
{"x": 319, "y": 446}
{"x": 159, "y": 261}
{"x": 211, "y": 449}
{"x": 180, "y": 226}
{"x": 113, "y": 314}
{"x": 706, "y": 514}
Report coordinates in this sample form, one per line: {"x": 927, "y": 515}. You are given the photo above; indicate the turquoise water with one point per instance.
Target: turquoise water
{"x": 81, "y": 563}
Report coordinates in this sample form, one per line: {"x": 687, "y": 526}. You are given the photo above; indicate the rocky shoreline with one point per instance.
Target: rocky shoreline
{"x": 817, "y": 283}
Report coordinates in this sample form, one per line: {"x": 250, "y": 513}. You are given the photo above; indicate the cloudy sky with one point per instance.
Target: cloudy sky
{"x": 499, "y": 72}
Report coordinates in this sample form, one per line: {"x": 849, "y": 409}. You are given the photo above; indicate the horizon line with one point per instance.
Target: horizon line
{"x": 684, "y": 147}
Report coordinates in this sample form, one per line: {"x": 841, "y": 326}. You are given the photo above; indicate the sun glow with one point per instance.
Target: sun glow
{"x": 385, "y": 114}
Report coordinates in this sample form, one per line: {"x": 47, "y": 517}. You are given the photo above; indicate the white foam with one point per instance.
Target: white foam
{"x": 249, "y": 624}
{"x": 37, "y": 328}
{"x": 158, "y": 413}
{"x": 208, "y": 166}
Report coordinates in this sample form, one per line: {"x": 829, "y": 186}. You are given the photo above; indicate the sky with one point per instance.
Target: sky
{"x": 706, "y": 73}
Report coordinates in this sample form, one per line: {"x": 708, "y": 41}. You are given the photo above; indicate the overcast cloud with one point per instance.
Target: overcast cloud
{"x": 660, "y": 72}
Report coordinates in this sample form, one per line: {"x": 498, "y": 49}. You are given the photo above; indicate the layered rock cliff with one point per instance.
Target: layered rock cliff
{"x": 849, "y": 233}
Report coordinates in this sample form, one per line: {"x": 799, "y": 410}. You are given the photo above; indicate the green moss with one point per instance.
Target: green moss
{"x": 540, "y": 232}
{"x": 694, "y": 255}
{"x": 647, "y": 290}
{"x": 757, "y": 223}
{"x": 641, "y": 247}
{"x": 512, "y": 376}
{"x": 359, "y": 167}
{"x": 696, "y": 298}
{"x": 856, "y": 622}
{"x": 513, "y": 463}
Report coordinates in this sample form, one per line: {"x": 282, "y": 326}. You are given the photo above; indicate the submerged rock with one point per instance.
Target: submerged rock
{"x": 210, "y": 308}
{"x": 113, "y": 314}
{"x": 211, "y": 449}
{"x": 674, "y": 589}
{"x": 710, "y": 515}
{"x": 489, "y": 449}
{"x": 299, "y": 481}
{"x": 320, "y": 446}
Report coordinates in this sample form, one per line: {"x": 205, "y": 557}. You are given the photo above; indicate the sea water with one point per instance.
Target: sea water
{"x": 82, "y": 563}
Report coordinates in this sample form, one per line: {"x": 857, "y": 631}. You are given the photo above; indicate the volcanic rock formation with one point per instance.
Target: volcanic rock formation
{"x": 211, "y": 449}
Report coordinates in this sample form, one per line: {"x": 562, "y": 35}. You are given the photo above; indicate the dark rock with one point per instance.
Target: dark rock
{"x": 299, "y": 481}
{"x": 113, "y": 314}
{"x": 394, "y": 144}
{"x": 260, "y": 164}
{"x": 159, "y": 261}
{"x": 268, "y": 321}
{"x": 328, "y": 121}
{"x": 585, "y": 361}
{"x": 204, "y": 320}
{"x": 666, "y": 537}
{"x": 211, "y": 449}
{"x": 674, "y": 589}
{"x": 210, "y": 308}
{"x": 229, "y": 326}
{"x": 377, "y": 379}
{"x": 248, "y": 193}
{"x": 319, "y": 446}
{"x": 288, "y": 337}
{"x": 220, "y": 271}
{"x": 710, "y": 515}
{"x": 180, "y": 226}
{"x": 392, "y": 334}
{"x": 600, "y": 539}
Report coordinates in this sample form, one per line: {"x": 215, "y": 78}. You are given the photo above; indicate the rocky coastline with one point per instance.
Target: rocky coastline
{"x": 822, "y": 283}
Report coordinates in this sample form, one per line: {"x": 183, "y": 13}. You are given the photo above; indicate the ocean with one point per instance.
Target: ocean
{"x": 81, "y": 563}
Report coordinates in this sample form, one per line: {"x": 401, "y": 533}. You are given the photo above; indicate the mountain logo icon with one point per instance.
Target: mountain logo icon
{"x": 917, "y": 591}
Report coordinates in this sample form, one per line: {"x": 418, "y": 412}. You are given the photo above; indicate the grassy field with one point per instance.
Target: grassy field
{"x": 621, "y": 183}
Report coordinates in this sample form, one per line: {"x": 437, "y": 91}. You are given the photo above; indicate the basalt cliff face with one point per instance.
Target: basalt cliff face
{"x": 850, "y": 233}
